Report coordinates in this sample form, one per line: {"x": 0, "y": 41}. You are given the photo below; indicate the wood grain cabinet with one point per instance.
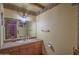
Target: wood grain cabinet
{"x": 31, "y": 49}
{"x": 27, "y": 49}
{"x": 10, "y": 51}
{"x": 4, "y": 51}
{"x": 14, "y": 51}
{"x": 38, "y": 48}
{"x": 34, "y": 48}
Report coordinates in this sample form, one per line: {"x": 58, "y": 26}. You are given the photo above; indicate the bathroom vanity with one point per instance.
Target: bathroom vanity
{"x": 22, "y": 47}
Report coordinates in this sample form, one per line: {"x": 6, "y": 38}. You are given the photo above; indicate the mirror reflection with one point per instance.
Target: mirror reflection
{"x": 21, "y": 27}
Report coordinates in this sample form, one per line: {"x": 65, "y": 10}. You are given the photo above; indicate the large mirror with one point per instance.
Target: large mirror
{"x": 19, "y": 28}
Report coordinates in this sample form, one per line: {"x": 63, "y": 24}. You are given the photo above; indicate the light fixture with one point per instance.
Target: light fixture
{"x": 25, "y": 17}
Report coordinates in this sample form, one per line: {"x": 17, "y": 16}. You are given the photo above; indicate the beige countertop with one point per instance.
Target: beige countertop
{"x": 18, "y": 43}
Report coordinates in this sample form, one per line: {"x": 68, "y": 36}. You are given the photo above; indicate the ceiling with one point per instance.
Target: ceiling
{"x": 30, "y": 8}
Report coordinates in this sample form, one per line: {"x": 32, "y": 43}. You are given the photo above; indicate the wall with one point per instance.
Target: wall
{"x": 2, "y": 35}
{"x": 62, "y": 23}
{"x": 17, "y": 15}
{"x": 75, "y": 14}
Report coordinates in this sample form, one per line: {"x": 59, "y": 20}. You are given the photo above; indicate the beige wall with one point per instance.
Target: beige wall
{"x": 2, "y": 35}
{"x": 17, "y": 15}
{"x": 62, "y": 23}
{"x": 75, "y": 11}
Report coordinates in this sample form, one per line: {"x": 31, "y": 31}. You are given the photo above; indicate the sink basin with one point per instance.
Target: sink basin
{"x": 21, "y": 41}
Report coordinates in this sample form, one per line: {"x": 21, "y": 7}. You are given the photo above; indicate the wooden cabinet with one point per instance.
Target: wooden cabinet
{"x": 34, "y": 48}
{"x": 27, "y": 49}
{"x": 38, "y": 48}
{"x": 31, "y": 49}
{"x": 14, "y": 51}
{"x": 4, "y": 51}
{"x": 10, "y": 51}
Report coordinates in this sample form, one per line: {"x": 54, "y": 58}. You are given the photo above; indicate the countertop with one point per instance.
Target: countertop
{"x": 18, "y": 43}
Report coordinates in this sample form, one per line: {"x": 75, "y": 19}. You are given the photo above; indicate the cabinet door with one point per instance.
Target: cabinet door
{"x": 27, "y": 49}
{"x": 4, "y": 51}
{"x": 14, "y": 51}
{"x": 38, "y": 48}
{"x": 24, "y": 50}
{"x": 31, "y": 49}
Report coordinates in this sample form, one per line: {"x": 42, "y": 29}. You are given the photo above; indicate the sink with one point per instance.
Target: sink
{"x": 24, "y": 41}
{"x": 20, "y": 41}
